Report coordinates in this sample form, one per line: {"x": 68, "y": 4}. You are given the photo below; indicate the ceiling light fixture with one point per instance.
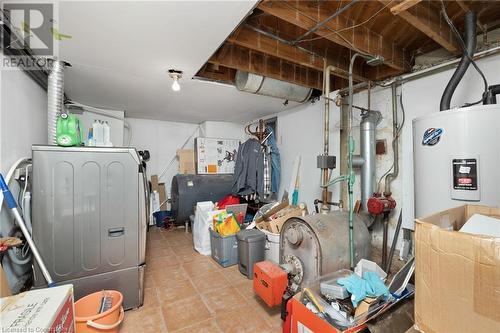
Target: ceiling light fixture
{"x": 175, "y": 75}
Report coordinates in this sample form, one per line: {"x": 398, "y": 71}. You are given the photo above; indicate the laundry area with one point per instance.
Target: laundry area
{"x": 250, "y": 166}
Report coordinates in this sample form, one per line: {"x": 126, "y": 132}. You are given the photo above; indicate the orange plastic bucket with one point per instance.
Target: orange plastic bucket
{"x": 87, "y": 318}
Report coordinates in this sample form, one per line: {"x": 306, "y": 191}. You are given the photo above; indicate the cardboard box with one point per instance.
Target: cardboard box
{"x": 274, "y": 225}
{"x": 4, "y": 284}
{"x": 163, "y": 196}
{"x": 457, "y": 274}
{"x": 154, "y": 183}
{"x": 41, "y": 310}
{"x": 187, "y": 164}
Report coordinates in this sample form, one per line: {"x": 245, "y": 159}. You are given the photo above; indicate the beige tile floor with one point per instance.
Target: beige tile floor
{"x": 188, "y": 292}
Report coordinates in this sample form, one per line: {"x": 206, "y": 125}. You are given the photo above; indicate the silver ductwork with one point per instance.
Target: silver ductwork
{"x": 366, "y": 160}
{"x": 261, "y": 85}
{"x": 55, "y": 97}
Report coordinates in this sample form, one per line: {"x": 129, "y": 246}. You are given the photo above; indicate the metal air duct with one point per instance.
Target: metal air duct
{"x": 261, "y": 85}
{"x": 55, "y": 97}
{"x": 367, "y": 158}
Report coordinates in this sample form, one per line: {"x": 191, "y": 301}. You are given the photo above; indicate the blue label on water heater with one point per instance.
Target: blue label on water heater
{"x": 432, "y": 136}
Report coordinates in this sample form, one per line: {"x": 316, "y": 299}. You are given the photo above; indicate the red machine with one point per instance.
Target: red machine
{"x": 379, "y": 204}
{"x": 269, "y": 282}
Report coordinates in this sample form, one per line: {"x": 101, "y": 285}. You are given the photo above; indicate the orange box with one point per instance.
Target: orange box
{"x": 300, "y": 319}
{"x": 269, "y": 282}
{"x": 212, "y": 168}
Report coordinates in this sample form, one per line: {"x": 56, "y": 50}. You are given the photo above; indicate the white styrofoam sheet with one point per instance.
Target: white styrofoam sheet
{"x": 482, "y": 225}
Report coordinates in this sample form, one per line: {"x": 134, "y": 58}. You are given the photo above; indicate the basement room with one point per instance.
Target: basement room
{"x": 259, "y": 166}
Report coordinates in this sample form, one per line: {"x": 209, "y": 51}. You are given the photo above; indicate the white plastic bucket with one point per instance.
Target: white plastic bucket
{"x": 272, "y": 250}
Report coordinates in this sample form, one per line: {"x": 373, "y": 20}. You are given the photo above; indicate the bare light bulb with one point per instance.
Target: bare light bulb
{"x": 176, "y": 86}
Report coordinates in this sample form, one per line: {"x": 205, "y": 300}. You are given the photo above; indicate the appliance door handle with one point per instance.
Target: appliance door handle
{"x": 116, "y": 232}
{"x": 144, "y": 199}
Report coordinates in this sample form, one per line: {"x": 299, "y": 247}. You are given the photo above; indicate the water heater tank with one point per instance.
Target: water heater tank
{"x": 457, "y": 159}
{"x": 318, "y": 244}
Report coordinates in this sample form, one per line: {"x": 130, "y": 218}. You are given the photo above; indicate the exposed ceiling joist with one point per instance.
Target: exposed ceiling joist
{"x": 360, "y": 38}
{"x": 252, "y": 39}
{"x": 404, "y": 5}
{"x": 427, "y": 20}
{"x": 237, "y": 57}
{"x": 217, "y": 73}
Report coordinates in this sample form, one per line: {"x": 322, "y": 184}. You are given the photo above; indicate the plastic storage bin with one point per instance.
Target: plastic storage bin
{"x": 331, "y": 289}
{"x": 161, "y": 216}
{"x": 224, "y": 249}
{"x": 251, "y": 249}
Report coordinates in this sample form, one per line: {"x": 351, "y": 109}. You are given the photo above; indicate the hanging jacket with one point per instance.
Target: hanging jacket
{"x": 275, "y": 161}
{"x": 249, "y": 169}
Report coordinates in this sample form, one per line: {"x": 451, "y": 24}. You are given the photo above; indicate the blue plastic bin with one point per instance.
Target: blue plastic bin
{"x": 160, "y": 217}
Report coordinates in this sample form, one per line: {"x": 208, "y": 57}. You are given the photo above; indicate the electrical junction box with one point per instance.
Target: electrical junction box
{"x": 326, "y": 162}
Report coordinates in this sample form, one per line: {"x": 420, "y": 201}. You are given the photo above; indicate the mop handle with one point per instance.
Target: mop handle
{"x": 11, "y": 203}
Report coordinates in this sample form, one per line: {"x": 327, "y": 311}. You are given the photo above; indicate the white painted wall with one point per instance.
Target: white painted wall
{"x": 223, "y": 129}
{"x": 118, "y": 137}
{"x": 162, "y": 139}
{"x": 23, "y": 116}
{"x": 300, "y": 133}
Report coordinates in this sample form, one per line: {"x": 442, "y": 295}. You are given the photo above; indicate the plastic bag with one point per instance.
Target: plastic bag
{"x": 228, "y": 200}
{"x": 202, "y": 219}
{"x": 225, "y": 224}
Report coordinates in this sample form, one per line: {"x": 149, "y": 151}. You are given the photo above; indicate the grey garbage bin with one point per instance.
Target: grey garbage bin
{"x": 251, "y": 249}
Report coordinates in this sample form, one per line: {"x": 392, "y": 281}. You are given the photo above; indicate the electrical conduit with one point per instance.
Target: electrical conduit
{"x": 395, "y": 143}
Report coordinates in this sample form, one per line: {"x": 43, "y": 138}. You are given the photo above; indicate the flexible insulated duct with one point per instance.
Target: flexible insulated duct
{"x": 55, "y": 97}
{"x": 470, "y": 43}
{"x": 260, "y": 85}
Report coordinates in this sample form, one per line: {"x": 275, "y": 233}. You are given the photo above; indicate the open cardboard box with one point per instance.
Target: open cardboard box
{"x": 457, "y": 274}
{"x": 274, "y": 225}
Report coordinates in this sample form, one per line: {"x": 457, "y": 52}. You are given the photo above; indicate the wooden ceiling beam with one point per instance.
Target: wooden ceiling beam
{"x": 425, "y": 19}
{"x": 217, "y": 73}
{"x": 360, "y": 38}
{"x": 403, "y": 5}
{"x": 241, "y": 58}
{"x": 257, "y": 41}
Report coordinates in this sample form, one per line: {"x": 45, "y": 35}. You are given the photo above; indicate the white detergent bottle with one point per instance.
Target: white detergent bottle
{"x": 107, "y": 135}
{"x": 97, "y": 129}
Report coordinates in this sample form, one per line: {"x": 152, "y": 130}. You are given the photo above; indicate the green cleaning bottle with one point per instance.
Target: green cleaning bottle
{"x": 68, "y": 130}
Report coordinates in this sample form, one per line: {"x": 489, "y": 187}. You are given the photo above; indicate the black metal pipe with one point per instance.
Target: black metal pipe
{"x": 470, "y": 43}
{"x": 491, "y": 95}
{"x": 394, "y": 242}
{"x": 385, "y": 235}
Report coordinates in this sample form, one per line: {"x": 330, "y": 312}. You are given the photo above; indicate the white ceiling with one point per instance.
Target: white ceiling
{"x": 120, "y": 52}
